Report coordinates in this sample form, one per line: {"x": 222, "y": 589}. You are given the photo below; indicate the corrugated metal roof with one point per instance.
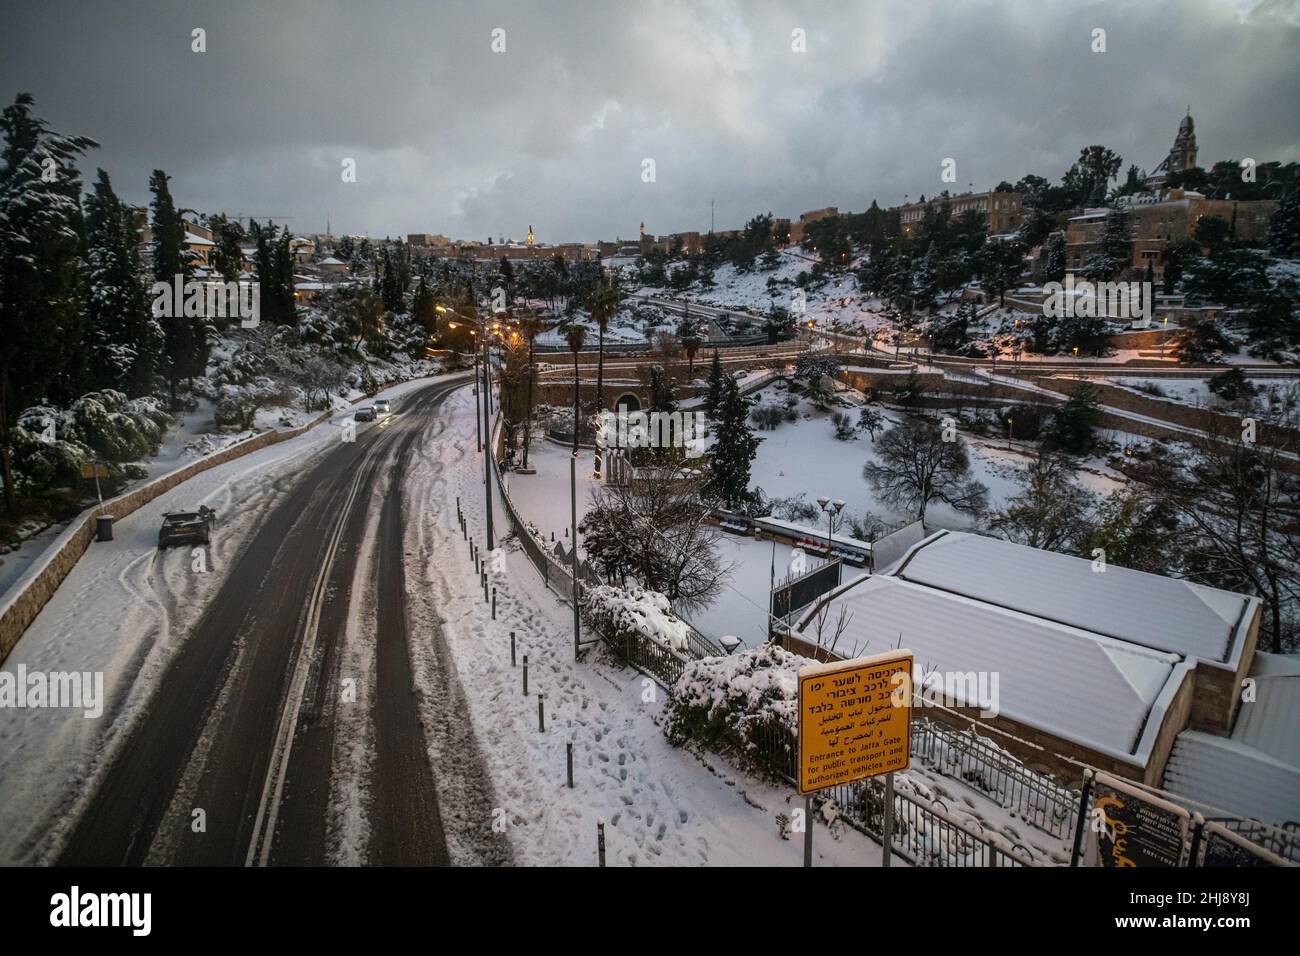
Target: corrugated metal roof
{"x": 1231, "y": 776}
{"x": 1271, "y": 722}
{"x": 1146, "y": 609}
{"x": 1064, "y": 681}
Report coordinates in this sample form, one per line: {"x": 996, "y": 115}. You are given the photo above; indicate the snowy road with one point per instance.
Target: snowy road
{"x": 244, "y": 725}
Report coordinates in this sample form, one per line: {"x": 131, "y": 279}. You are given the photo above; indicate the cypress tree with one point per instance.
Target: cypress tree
{"x": 124, "y": 341}
{"x": 734, "y": 447}
{"x": 169, "y": 262}
{"x": 714, "y": 394}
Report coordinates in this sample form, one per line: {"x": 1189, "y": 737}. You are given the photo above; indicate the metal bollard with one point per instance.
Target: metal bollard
{"x": 512, "y": 648}
{"x": 525, "y": 675}
{"x": 569, "y": 758}
{"x": 494, "y": 603}
{"x": 600, "y": 840}
{"x": 541, "y": 714}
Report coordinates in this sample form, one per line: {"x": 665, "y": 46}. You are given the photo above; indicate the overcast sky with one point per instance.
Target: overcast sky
{"x": 450, "y": 137}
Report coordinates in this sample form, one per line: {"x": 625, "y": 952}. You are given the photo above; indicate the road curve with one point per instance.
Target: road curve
{"x": 245, "y": 713}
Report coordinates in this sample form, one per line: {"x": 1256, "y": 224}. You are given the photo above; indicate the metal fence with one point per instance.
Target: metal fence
{"x": 923, "y": 833}
{"x": 660, "y": 662}
{"x": 1283, "y": 839}
{"x": 1039, "y": 800}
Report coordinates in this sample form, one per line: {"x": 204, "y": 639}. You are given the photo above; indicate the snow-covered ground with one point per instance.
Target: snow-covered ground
{"x": 797, "y": 458}
{"x": 1196, "y": 391}
{"x": 661, "y": 805}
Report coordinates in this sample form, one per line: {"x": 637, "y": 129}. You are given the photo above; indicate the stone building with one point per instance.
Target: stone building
{"x": 1156, "y": 222}
{"x": 1001, "y": 210}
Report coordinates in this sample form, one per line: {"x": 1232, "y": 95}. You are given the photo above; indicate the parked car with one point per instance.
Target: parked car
{"x": 382, "y": 407}
{"x": 366, "y": 413}
{"x": 187, "y": 527}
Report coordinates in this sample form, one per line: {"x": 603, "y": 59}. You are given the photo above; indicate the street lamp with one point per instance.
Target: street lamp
{"x": 485, "y": 436}
{"x": 832, "y": 509}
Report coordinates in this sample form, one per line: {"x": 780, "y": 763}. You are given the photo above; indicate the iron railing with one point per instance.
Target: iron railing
{"x": 980, "y": 764}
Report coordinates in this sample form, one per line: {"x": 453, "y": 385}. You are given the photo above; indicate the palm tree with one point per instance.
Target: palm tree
{"x": 605, "y": 298}
{"x": 530, "y": 326}
{"x": 691, "y": 345}
{"x": 576, "y": 335}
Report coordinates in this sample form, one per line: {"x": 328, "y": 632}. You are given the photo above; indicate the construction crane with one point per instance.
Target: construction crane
{"x": 239, "y": 217}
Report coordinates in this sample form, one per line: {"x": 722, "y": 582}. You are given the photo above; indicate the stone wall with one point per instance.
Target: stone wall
{"x": 22, "y": 608}
{"x": 1177, "y": 413}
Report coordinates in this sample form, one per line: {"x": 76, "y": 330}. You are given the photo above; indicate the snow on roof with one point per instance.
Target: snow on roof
{"x": 1062, "y": 680}
{"x": 1271, "y": 723}
{"x": 1149, "y": 610}
{"x": 1229, "y": 775}
{"x": 193, "y": 240}
{"x": 331, "y": 261}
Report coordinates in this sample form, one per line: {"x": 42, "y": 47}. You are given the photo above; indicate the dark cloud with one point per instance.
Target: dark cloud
{"x": 451, "y": 137}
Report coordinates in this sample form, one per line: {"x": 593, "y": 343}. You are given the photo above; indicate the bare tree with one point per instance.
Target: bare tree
{"x": 918, "y": 466}
{"x": 1052, "y": 512}
{"x": 1239, "y": 505}
{"x": 317, "y": 375}
{"x": 654, "y": 530}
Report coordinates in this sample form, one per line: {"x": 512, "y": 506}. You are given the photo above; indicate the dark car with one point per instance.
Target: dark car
{"x": 364, "y": 414}
{"x": 187, "y": 527}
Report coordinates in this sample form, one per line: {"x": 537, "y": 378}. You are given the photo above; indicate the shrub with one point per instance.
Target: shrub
{"x": 736, "y": 697}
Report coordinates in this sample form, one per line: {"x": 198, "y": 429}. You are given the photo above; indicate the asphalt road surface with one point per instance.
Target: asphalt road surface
{"x": 246, "y": 712}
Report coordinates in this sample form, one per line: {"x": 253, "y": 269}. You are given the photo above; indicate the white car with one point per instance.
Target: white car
{"x": 382, "y": 407}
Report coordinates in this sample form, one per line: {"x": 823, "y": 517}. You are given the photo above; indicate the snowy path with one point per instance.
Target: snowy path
{"x": 661, "y": 805}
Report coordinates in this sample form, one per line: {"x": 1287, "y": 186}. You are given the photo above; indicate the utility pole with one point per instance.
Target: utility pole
{"x": 573, "y": 504}
{"x": 489, "y": 448}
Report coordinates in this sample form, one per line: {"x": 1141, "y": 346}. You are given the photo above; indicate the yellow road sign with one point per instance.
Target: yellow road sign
{"x": 89, "y": 470}
{"x": 854, "y": 719}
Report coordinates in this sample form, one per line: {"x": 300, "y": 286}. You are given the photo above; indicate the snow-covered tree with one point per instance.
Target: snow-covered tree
{"x": 734, "y": 447}
{"x": 40, "y": 232}
{"x": 1051, "y": 511}
{"x": 123, "y": 338}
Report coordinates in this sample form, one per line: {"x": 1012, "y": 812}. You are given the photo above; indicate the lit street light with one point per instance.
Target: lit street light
{"x": 485, "y": 437}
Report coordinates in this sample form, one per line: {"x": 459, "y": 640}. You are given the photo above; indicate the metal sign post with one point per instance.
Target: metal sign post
{"x": 95, "y": 470}
{"x": 855, "y": 722}
{"x": 887, "y": 827}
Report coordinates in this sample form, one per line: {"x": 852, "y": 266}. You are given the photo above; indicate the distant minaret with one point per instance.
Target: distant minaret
{"x": 530, "y": 237}
{"x": 643, "y": 227}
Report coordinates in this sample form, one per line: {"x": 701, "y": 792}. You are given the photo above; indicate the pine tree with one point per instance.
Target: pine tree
{"x": 40, "y": 232}
{"x": 423, "y": 308}
{"x": 734, "y": 447}
{"x": 286, "y": 308}
{"x": 390, "y": 283}
{"x": 1114, "y": 248}
{"x": 227, "y": 255}
{"x": 714, "y": 395}
{"x": 663, "y": 393}
{"x": 124, "y": 341}
{"x": 1284, "y": 227}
